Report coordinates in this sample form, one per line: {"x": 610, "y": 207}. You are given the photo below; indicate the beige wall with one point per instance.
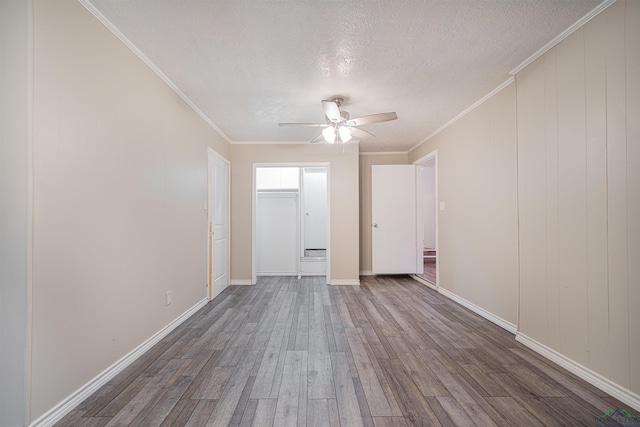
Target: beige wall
{"x": 366, "y": 161}
{"x": 120, "y": 164}
{"x": 15, "y": 200}
{"x": 343, "y": 202}
{"x": 478, "y": 229}
{"x": 579, "y": 196}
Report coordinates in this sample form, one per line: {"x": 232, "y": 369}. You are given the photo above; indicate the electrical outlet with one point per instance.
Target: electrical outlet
{"x": 167, "y": 298}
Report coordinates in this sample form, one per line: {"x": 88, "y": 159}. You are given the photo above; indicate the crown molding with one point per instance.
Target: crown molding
{"x": 383, "y": 153}
{"x": 269, "y": 142}
{"x": 563, "y": 35}
{"x": 465, "y": 112}
{"x": 103, "y": 19}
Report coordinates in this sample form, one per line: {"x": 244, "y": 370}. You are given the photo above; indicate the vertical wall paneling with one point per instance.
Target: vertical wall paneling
{"x": 552, "y": 197}
{"x": 572, "y": 188}
{"x": 533, "y": 221}
{"x": 579, "y": 168}
{"x": 617, "y": 194}
{"x": 633, "y": 185}
{"x": 16, "y": 195}
{"x": 596, "y": 134}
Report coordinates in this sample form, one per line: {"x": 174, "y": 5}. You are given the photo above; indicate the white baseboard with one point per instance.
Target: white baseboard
{"x": 366, "y": 273}
{"x": 276, "y": 273}
{"x": 241, "y": 282}
{"x": 508, "y": 326}
{"x": 345, "y": 282}
{"x": 604, "y": 384}
{"x": 63, "y": 408}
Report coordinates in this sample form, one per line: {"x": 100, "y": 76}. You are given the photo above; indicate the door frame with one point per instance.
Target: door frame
{"x": 254, "y": 198}
{"x": 419, "y": 215}
{"x": 211, "y": 153}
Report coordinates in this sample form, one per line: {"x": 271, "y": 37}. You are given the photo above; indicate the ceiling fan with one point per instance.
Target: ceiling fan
{"x": 339, "y": 126}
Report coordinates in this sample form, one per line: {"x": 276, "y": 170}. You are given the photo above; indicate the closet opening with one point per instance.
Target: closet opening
{"x": 290, "y": 233}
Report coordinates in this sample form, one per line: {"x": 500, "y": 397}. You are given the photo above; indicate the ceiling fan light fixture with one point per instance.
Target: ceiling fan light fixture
{"x": 345, "y": 133}
{"x": 339, "y": 124}
{"x": 329, "y": 135}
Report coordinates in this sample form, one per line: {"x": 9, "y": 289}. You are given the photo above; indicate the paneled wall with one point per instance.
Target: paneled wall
{"x": 15, "y": 204}
{"x": 579, "y": 196}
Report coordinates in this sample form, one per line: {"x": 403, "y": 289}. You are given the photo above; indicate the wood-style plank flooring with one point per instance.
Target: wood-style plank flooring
{"x": 290, "y": 352}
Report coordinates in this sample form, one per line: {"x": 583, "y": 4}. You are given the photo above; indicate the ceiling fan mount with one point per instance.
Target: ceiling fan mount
{"x": 338, "y": 99}
{"x": 339, "y": 126}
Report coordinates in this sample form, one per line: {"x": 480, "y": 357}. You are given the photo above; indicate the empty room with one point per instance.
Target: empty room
{"x": 319, "y": 213}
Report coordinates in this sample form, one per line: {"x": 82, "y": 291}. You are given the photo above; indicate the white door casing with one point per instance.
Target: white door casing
{"x": 432, "y": 160}
{"x": 218, "y": 223}
{"x": 393, "y": 209}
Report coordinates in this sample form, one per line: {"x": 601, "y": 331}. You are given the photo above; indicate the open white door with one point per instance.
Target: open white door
{"x": 218, "y": 215}
{"x": 393, "y": 213}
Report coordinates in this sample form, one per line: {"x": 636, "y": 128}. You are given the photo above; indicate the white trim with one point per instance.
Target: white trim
{"x": 366, "y": 273}
{"x": 95, "y": 12}
{"x": 271, "y": 143}
{"x": 345, "y": 282}
{"x": 563, "y": 35}
{"x": 464, "y": 112}
{"x": 424, "y": 282}
{"x": 604, "y": 384}
{"x": 508, "y": 326}
{"x": 241, "y": 282}
{"x": 278, "y": 273}
{"x": 64, "y": 407}
{"x": 383, "y": 153}
{"x": 419, "y": 217}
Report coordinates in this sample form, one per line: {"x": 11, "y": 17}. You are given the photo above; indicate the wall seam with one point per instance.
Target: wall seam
{"x": 626, "y": 175}
{"x": 586, "y": 185}
{"x": 518, "y": 240}
{"x": 30, "y": 210}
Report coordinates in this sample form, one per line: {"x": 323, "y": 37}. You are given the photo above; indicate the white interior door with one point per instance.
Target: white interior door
{"x": 277, "y": 233}
{"x": 218, "y": 214}
{"x": 393, "y": 209}
{"x": 315, "y": 208}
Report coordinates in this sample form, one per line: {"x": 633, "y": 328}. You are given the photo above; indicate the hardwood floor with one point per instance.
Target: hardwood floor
{"x": 391, "y": 352}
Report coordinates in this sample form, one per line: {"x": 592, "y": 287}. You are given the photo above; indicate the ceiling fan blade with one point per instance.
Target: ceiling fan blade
{"x": 315, "y": 125}
{"x": 319, "y": 138}
{"x": 361, "y": 134}
{"x": 373, "y": 118}
{"x": 331, "y": 110}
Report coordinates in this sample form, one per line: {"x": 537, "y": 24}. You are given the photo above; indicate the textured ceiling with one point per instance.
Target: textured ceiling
{"x": 249, "y": 64}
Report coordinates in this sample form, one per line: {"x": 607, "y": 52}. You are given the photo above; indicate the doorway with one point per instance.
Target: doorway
{"x": 426, "y": 180}
{"x": 290, "y": 220}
